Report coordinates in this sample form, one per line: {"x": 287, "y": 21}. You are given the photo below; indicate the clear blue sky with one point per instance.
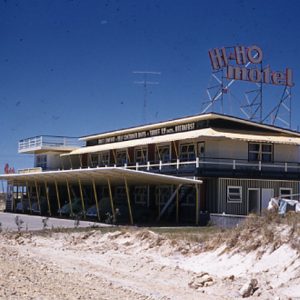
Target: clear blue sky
{"x": 66, "y": 66}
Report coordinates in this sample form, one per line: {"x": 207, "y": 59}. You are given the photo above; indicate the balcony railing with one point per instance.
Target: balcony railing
{"x": 215, "y": 167}
{"x": 48, "y": 142}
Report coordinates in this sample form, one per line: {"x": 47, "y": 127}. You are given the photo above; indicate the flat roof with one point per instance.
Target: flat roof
{"x": 116, "y": 176}
{"x": 188, "y": 119}
{"x": 193, "y": 134}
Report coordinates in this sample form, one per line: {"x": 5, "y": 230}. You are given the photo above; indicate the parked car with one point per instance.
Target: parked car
{"x": 23, "y": 206}
{"x": 76, "y": 206}
{"x": 43, "y": 209}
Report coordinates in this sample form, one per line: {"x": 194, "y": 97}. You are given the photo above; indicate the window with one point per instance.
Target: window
{"x": 141, "y": 155}
{"x": 141, "y": 195}
{"x": 162, "y": 194}
{"x": 103, "y": 159}
{"x": 120, "y": 195}
{"x": 201, "y": 149}
{"x": 260, "y": 152}
{"x": 121, "y": 157}
{"x": 163, "y": 153}
{"x": 286, "y": 192}
{"x": 94, "y": 160}
{"x": 41, "y": 161}
{"x": 187, "y": 152}
{"x": 187, "y": 196}
{"x": 234, "y": 194}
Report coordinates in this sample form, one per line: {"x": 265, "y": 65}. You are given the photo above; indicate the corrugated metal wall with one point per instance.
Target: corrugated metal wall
{"x": 241, "y": 208}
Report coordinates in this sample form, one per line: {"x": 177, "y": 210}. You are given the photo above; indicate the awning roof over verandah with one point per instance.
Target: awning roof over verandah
{"x": 115, "y": 175}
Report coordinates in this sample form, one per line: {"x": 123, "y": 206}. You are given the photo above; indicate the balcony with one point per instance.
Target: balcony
{"x": 48, "y": 143}
{"x": 222, "y": 167}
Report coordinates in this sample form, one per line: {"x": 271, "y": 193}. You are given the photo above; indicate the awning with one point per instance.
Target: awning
{"x": 100, "y": 175}
{"x": 194, "y": 134}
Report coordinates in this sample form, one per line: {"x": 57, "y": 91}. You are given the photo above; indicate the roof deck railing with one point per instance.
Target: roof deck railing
{"x": 48, "y": 141}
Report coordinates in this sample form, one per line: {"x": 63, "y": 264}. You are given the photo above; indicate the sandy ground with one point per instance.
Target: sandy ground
{"x": 137, "y": 264}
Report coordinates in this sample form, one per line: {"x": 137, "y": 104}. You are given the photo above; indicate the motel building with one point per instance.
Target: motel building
{"x": 180, "y": 171}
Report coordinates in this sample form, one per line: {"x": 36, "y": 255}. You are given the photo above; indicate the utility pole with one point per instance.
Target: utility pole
{"x": 145, "y": 82}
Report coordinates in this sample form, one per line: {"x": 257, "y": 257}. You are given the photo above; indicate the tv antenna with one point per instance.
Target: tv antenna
{"x": 145, "y": 82}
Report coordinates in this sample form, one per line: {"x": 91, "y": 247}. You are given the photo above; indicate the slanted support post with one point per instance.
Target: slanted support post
{"x": 111, "y": 200}
{"x": 28, "y": 195}
{"x": 48, "y": 200}
{"x": 96, "y": 198}
{"x": 71, "y": 164}
{"x": 57, "y": 196}
{"x": 38, "y": 196}
{"x": 197, "y": 203}
{"x": 177, "y": 205}
{"x": 81, "y": 196}
{"x": 69, "y": 196}
{"x": 168, "y": 203}
{"x": 128, "y": 200}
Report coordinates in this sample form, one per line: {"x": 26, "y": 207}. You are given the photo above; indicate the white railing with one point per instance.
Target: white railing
{"x": 217, "y": 164}
{"x": 47, "y": 141}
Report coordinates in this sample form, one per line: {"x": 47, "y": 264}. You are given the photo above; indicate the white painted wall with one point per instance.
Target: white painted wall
{"x": 286, "y": 153}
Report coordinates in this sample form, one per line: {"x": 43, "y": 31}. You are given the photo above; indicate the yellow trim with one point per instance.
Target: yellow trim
{"x": 38, "y": 196}
{"x": 128, "y": 200}
{"x": 69, "y": 196}
{"x": 96, "y": 198}
{"x": 57, "y": 196}
{"x": 47, "y": 196}
{"x": 111, "y": 200}
{"x": 81, "y": 196}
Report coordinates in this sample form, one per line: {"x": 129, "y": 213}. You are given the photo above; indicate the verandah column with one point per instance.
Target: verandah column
{"x": 128, "y": 201}
{"x": 69, "y": 196}
{"x": 57, "y": 196}
{"x": 81, "y": 196}
{"x": 96, "y": 198}
{"x": 111, "y": 199}
{"x": 48, "y": 200}
{"x": 38, "y": 196}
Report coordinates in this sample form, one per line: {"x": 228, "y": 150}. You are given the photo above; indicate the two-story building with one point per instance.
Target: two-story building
{"x": 172, "y": 171}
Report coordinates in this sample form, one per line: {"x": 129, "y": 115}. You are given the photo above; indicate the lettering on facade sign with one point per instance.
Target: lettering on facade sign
{"x": 148, "y": 133}
{"x": 237, "y": 59}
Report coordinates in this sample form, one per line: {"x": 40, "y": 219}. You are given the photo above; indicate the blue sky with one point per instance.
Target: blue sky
{"x": 66, "y": 66}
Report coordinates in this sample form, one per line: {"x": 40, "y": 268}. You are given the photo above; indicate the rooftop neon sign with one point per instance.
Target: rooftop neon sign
{"x": 239, "y": 58}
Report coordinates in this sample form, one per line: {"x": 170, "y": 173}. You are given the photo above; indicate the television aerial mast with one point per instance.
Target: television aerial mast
{"x": 145, "y": 83}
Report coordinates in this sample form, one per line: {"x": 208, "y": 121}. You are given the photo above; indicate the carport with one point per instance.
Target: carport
{"x": 108, "y": 176}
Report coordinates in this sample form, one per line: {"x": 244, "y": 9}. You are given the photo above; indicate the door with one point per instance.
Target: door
{"x": 266, "y": 195}
{"x": 254, "y": 201}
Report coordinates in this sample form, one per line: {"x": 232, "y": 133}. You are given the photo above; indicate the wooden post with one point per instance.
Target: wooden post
{"x": 96, "y": 198}
{"x": 70, "y": 161}
{"x": 111, "y": 199}
{"x": 177, "y": 206}
{"x": 197, "y": 204}
{"x": 80, "y": 160}
{"x": 38, "y": 196}
{"x": 48, "y": 200}
{"x": 69, "y": 196}
{"x": 128, "y": 200}
{"x": 28, "y": 195}
{"x": 13, "y": 197}
{"x": 57, "y": 196}
{"x": 82, "y": 200}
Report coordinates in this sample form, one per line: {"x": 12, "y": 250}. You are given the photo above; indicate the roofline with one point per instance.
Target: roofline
{"x": 191, "y": 118}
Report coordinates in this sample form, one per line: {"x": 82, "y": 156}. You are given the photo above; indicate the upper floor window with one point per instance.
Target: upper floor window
{"x": 141, "y": 155}
{"x": 41, "y": 161}
{"x": 121, "y": 157}
{"x": 103, "y": 159}
{"x": 187, "y": 152}
{"x": 163, "y": 153}
{"x": 260, "y": 152}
